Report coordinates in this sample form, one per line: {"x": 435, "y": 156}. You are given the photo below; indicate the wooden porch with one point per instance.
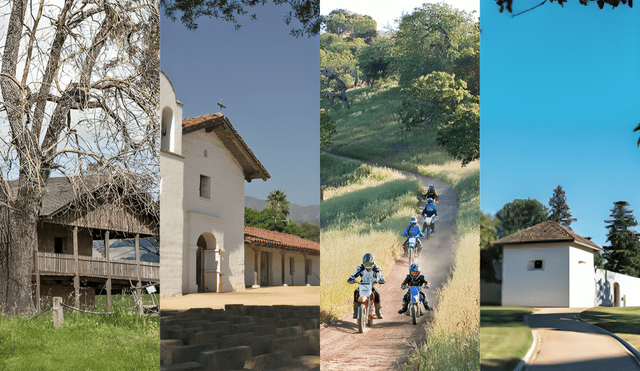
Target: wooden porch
{"x": 87, "y": 266}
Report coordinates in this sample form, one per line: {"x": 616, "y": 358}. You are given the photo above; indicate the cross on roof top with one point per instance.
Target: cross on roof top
{"x": 221, "y": 105}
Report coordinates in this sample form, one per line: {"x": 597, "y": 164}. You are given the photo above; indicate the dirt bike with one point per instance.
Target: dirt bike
{"x": 366, "y": 312}
{"x": 411, "y": 249}
{"x": 416, "y": 309}
{"x": 429, "y": 225}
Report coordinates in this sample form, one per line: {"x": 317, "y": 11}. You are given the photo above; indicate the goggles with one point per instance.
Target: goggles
{"x": 414, "y": 273}
{"x": 368, "y": 264}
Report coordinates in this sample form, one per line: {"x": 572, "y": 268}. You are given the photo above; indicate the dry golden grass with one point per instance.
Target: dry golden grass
{"x": 452, "y": 171}
{"x": 378, "y": 176}
{"x": 458, "y": 311}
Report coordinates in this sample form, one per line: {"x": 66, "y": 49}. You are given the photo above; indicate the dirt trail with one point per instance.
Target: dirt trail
{"x": 391, "y": 340}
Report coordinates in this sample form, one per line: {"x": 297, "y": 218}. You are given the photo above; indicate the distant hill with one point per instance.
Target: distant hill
{"x": 299, "y": 214}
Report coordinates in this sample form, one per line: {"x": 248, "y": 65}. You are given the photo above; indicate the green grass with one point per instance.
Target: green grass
{"x": 624, "y": 322}
{"x": 84, "y": 342}
{"x": 504, "y": 338}
{"x": 371, "y": 129}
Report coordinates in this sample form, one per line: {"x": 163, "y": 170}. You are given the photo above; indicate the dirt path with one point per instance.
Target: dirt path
{"x": 391, "y": 340}
{"x": 567, "y": 344}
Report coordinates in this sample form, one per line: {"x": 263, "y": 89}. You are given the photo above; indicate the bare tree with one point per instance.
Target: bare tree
{"x": 79, "y": 83}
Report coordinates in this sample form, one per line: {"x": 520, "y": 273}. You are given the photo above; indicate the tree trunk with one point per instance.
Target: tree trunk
{"x": 341, "y": 85}
{"x": 23, "y": 237}
{"x": 4, "y": 244}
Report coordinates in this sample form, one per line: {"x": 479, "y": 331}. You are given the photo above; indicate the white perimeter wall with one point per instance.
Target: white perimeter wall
{"x": 275, "y": 278}
{"x": 548, "y": 287}
{"x": 226, "y": 203}
{"x": 581, "y": 276}
{"x": 629, "y": 287}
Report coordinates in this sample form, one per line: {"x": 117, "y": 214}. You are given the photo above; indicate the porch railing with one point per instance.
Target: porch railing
{"x": 96, "y": 266}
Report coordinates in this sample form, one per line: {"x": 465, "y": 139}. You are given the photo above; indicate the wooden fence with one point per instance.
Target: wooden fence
{"x": 65, "y": 264}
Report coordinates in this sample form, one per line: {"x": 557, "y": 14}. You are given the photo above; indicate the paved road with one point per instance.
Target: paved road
{"x": 391, "y": 340}
{"x": 569, "y": 344}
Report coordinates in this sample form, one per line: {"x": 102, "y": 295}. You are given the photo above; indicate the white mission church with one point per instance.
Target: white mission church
{"x": 204, "y": 164}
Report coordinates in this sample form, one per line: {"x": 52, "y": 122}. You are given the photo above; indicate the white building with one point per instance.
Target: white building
{"x": 549, "y": 265}
{"x": 203, "y": 166}
{"x": 204, "y": 245}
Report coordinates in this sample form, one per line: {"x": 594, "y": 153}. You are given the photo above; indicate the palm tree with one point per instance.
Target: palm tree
{"x": 278, "y": 202}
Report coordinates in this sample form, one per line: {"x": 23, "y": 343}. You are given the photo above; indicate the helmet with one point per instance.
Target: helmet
{"x": 414, "y": 269}
{"x": 368, "y": 261}
{"x": 413, "y": 220}
{"x": 429, "y": 200}
{"x": 430, "y": 186}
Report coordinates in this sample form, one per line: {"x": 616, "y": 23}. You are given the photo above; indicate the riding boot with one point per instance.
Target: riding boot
{"x": 378, "y": 306}
{"x": 405, "y": 304}
{"x": 426, "y": 305}
{"x": 418, "y": 249}
{"x": 405, "y": 248}
{"x": 355, "y": 309}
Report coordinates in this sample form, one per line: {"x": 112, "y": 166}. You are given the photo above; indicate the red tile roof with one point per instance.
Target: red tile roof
{"x": 280, "y": 239}
{"x": 549, "y": 231}
{"x": 194, "y": 122}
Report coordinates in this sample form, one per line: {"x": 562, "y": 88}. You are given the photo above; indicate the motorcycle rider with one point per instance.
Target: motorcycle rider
{"x": 370, "y": 272}
{"x": 429, "y": 211}
{"x": 412, "y": 230}
{"x": 431, "y": 193}
{"x": 414, "y": 278}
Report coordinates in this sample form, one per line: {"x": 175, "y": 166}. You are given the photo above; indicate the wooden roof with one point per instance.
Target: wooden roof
{"x": 221, "y": 126}
{"x": 549, "y": 231}
{"x": 64, "y": 202}
{"x": 277, "y": 239}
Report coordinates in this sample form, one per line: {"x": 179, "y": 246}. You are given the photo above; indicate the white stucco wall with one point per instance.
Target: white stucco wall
{"x": 171, "y": 202}
{"x": 605, "y": 281}
{"x": 275, "y": 276}
{"x": 581, "y": 276}
{"x": 226, "y": 204}
{"x": 548, "y": 287}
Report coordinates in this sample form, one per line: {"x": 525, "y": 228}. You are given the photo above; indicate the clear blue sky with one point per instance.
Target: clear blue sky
{"x": 268, "y": 80}
{"x": 559, "y": 102}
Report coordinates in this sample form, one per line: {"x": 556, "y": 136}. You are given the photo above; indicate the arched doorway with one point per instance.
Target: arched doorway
{"x": 206, "y": 264}
{"x": 200, "y": 270}
{"x": 616, "y": 294}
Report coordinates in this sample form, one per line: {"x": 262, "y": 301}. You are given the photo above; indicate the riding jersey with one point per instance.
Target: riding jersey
{"x": 412, "y": 231}
{"x": 414, "y": 281}
{"x": 431, "y": 194}
{"x": 430, "y": 210}
{"x": 368, "y": 276}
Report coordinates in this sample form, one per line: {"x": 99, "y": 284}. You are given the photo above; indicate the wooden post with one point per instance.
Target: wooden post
{"x": 57, "y": 311}
{"x": 138, "y": 284}
{"x": 256, "y": 262}
{"x": 76, "y": 279}
{"x": 106, "y": 249}
{"x": 292, "y": 267}
{"x": 37, "y": 270}
{"x": 283, "y": 282}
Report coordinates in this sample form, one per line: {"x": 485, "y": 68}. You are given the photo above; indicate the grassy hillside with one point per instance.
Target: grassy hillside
{"x": 370, "y": 131}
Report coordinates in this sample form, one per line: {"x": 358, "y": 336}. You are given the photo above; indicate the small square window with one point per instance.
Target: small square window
{"x": 535, "y": 265}
{"x": 205, "y": 187}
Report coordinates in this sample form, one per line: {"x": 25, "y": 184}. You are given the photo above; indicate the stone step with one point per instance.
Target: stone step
{"x": 190, "y": 366}
{"x": 225, "y": 359}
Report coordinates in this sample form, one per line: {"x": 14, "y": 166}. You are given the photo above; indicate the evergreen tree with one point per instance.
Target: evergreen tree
{"x": 558, "y": 208}
{"x": 623, "y": 255}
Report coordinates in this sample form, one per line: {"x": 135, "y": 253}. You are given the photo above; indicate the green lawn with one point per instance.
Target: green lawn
{"x": 624, "y": 322}
{"x": 84, "y": 342}
{"x": 504, "y": 338}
